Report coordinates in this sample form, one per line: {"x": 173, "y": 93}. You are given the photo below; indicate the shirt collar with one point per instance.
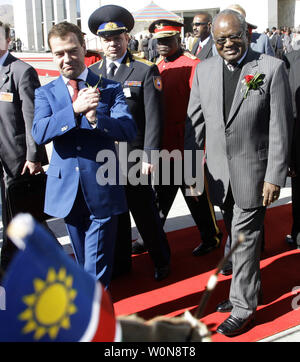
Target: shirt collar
{"x": 3, "y": 58}
{"x": 116, "y": 61}
{"x": 205, "y": 41}
{"x": 82, "y": 76}
{"x": 240, "y": 60}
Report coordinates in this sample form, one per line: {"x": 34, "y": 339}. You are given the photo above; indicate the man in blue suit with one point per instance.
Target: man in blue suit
{"x": 83, "y": 115}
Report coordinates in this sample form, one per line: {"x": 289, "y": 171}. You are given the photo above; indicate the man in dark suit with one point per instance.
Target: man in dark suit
{"x": 292, "y": 61}
{"x": 243, "y": 117}
{"x": 83, "y": 115}
{"x": 19, "y": 154}
{"x": 142, "y": 87}
{"x": 203, "y": 47}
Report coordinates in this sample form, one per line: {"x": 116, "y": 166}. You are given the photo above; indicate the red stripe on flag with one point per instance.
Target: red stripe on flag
{"x": 106, "y": 330}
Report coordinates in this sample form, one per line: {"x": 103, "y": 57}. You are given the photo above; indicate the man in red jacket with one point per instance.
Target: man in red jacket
{"x": 177, "y": 69}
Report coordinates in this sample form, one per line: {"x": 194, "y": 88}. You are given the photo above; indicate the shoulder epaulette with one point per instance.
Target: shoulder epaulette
{"x": 189, "y": 55}
{"x": 142, "y": 60}
{"x": 160, "y": 59}
{"x": 99, "y": 64}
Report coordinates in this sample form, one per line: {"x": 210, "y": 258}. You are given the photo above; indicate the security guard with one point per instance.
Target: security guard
{"x": 142, "y": 87}
{"x": 177, "y": 70}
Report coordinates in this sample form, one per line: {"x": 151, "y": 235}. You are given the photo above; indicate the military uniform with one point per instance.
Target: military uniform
{"x": 177, "y": 71}
{"x": 141, "y": 83}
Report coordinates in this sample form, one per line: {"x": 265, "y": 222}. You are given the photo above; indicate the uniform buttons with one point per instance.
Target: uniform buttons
{"x": 78, "y": 148}
{"x": 77, "y": 168}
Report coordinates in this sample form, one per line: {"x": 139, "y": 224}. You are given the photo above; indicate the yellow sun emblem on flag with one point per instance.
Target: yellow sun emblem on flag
{"x": 50, "y": 306}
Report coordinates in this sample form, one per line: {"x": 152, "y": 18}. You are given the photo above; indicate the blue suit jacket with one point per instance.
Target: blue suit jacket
{"x": 76, "y": 146}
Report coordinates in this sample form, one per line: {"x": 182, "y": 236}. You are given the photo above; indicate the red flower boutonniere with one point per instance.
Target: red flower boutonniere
{"x": 97, "y": 86}
{"x": 253, "y": 82}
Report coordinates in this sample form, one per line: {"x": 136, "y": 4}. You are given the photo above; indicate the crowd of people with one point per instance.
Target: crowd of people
{"x": 225, "y": 93}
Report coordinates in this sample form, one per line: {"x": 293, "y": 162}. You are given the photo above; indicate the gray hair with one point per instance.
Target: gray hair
{"x": 238, "y": 16}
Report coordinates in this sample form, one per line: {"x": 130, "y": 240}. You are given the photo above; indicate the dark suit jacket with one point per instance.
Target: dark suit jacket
{"x": 207, "y": 50}
{"x": 145, "y": 104}
{"x": 292, "y": 61}
{"x": 16, "y": 117}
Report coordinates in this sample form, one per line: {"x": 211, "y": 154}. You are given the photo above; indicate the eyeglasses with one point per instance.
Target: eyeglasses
{"x": 198, "y": 24}
{"x": 233, "y": 38}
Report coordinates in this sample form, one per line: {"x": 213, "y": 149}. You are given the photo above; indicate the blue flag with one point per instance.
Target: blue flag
{"x": 48, "y": 296}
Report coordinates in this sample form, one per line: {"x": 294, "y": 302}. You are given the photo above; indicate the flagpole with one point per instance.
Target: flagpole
{"x": 211, "y": 284}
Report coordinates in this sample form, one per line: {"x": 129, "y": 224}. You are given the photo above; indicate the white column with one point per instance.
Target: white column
{"x": 297, "y": 14}
{"x": 48, "y": 16}
{"x": 272, "y": 13}
{"x": 37, "y": 25}
{"x": 71, "y": 11}
{"x": 24, "y": 23}
{"x": 58, "y": 11}
{"x": 87, "y": 8}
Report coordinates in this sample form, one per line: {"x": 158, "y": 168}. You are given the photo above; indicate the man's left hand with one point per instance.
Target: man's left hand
{"x": 270, "y": 193}
{"x": 32, "y": 167}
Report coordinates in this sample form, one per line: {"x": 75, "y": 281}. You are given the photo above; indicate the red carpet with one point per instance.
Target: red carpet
{"x": 139, "y": 293}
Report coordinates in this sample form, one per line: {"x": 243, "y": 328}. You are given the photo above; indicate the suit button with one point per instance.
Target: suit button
{"x": 78, "y": 148}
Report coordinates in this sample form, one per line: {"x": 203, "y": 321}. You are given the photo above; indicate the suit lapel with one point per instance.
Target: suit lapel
{"x": 102, "y": 67}
{"x": 124, "y": 70}
{"x": 195, "y": 46}
{"x": 250, "y": 67}
{"x": 5, "y": 70}
{"x": 217, "y": 88}
{"x": 204, "y": 52}
{"x": 61, "y": 93}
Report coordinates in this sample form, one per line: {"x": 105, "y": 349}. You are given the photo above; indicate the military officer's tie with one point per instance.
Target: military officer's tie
{"x": 74, "y": 84}
{"x": 112, "y": 69}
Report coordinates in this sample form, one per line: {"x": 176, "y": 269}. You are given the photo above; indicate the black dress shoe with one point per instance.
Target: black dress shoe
{"x": 224, "y": 306}
{"x": 161, "y": 272}
{"x": 137, "y": 248}
{"x": 234, "y": 326}
{"x": 208, "y": 246}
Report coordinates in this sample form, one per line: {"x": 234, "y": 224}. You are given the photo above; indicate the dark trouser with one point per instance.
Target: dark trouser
{"x": 245, "y": 284}
{"x": 9, "y": 249}
{"x": 296, "y": 209}
{"x": 141, "y": 203}
{"x": 201, "y": 208}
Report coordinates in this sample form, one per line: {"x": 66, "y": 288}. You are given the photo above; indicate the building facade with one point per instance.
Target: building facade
{"x": 34, "y": 18}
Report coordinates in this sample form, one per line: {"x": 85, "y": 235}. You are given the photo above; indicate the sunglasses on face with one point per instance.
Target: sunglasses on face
{"x": 198, "y": 24}
{"x": 233, "y": 38}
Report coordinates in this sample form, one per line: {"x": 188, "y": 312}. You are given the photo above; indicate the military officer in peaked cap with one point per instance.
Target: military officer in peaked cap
{"x": 142, "y": 87}
{"x": 177, "y": 69}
